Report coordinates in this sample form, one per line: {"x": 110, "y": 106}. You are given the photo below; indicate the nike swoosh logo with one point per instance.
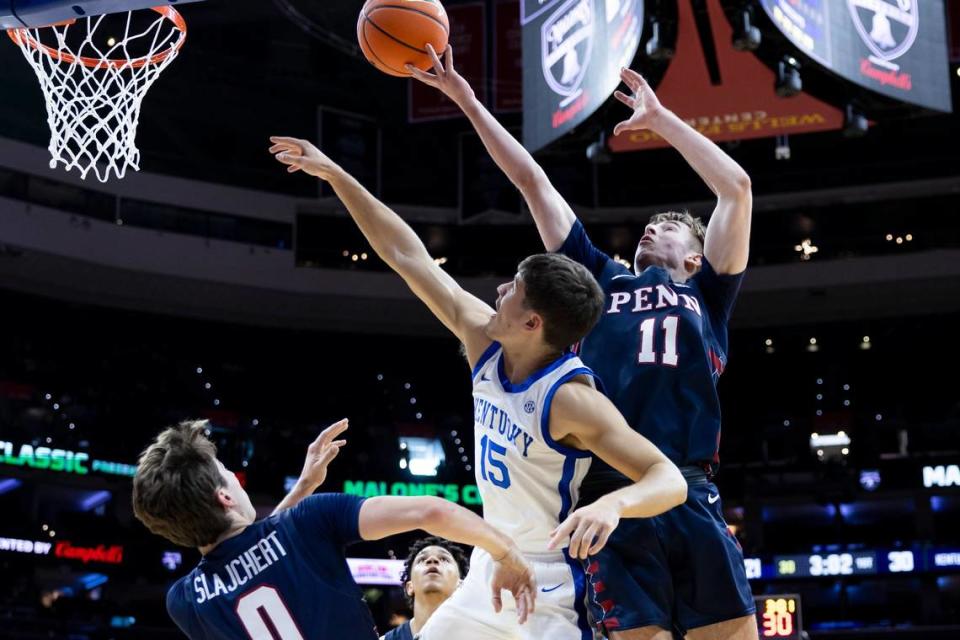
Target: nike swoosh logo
{"x": 622, "y": 275}
{"x": 712, "y": 499}
{"x": 545, "y": 590}
{"x": 484, "y": 377}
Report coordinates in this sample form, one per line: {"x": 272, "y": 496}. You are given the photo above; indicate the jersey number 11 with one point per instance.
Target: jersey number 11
{"x": 647, "y": 353}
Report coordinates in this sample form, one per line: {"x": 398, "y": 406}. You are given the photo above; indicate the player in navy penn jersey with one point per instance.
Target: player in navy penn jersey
{"x": 285, "y": 577}
{"x": 537, "y": 417}
{"x": 659, "y": 349}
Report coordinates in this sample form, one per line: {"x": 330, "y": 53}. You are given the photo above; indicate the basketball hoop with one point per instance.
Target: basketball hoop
{"x": 94, "y": 86}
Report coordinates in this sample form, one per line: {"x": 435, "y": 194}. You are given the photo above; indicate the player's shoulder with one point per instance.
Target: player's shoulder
{"x": 178, "y": 597}
{"x": 576, "y": 396}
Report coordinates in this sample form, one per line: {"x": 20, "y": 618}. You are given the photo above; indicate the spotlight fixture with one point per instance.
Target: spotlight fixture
{"x": 782, "y": 149}
{"x": 656, "y": 49}
{"x": 855, "y": 124}
{"x": 746, "y": 36}
{"x": 597, "y": 152}
{"x": 789, "y": 83}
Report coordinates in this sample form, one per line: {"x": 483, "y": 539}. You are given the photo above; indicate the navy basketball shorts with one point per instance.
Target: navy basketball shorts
{"x": 679, "y": 571}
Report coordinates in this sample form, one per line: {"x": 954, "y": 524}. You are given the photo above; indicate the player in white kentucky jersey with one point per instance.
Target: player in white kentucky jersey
{"x": 538, "y": 418}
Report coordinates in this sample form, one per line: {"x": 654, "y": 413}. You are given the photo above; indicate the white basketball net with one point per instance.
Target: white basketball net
{"x": 94, "y": 87}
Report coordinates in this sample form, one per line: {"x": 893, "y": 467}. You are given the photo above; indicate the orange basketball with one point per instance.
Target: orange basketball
{"x": 394, "y": 33}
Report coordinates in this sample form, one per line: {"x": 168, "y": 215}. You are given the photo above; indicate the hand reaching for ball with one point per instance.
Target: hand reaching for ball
{"x": 444, "y": 76}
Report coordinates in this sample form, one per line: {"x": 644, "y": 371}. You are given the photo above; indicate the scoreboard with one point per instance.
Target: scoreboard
{"x": 839, "y": 562}
{"x": 572, "y": 54}
{"x": 897, "y": 48}
{"x": 778, "y": 616}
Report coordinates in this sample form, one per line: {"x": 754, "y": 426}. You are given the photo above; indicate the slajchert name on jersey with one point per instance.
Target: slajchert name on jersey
{"x": 240, "y": 570}
{"x": 488, "y": 415}
{"x": 650, "y": 298}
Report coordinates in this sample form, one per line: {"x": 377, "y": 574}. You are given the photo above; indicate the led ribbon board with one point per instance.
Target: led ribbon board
{"x": 60, "y": 460}
{"x": 464, "y": 494}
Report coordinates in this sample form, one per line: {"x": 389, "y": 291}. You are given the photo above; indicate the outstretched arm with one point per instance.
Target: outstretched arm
{"x": 727, "y": 244}
{"x": 584, "y": 418}
{"x": 320, "y": 454}
{"x": 396, "y": 244}
{"x": 553, "y": 215}
{"x": 389, "y": 515}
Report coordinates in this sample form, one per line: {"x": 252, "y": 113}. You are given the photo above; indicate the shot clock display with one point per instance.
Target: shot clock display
{"x": 778, "y": 616}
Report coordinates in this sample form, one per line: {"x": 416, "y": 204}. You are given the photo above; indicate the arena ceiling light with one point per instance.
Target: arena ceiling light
{"x": 835, "y": 446}
{"x": 746, "y": 36}
{"x": 788, "y": 83}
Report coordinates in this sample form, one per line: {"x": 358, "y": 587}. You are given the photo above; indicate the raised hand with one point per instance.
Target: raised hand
{"x": 444, "y": 76}
{"x": 513, "y": 573}
{"x": 646, "y": 107}
{"x": 302, "y": 155}
{"x": 321, "y": 453}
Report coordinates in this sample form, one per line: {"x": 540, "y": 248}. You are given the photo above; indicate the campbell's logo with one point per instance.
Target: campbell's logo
{"x": 888, "y": 27}
{"x": 100, "y": 553}
{"x": 566, "y": 44}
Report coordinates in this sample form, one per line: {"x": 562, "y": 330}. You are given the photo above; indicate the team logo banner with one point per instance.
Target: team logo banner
{"x": 572, "y": 53}
{"x": 895, "y": 47}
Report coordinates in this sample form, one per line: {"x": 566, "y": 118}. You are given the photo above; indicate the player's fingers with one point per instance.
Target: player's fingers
{"x": 625, "y": 99}
{"x": 578, "y": 539}
{"x": 521, "y": 606}
{"x": 621, "y": 127}
{"x": 331, "y": 450}
{"x": 641, "y": 81}
{"x": 448, "y": 57}
{"x": 421, "y": 75}
{"x": 295, "y": 142}
{"x": 435, "y": 59}
{"x": 288, "y": 158}
{"x": 591, "y": 538}
{"x": 631, "y": 77}
{"x": 561, "y": 533}
{"x": 497, "y": 601}
{"x": 293, "y": 168}
{"x": 574, "y": 542}
{"x": 333, "y": 430}
{"x": 601, "y": 542}
{"x": 530, "y": 599}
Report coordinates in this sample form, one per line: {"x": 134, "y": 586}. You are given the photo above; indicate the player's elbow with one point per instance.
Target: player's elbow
{"x": 436, "y": 513}
{"x": 676, "y": 486}
{"x": 530, "y": 178}
{"x": 741, "y": 187}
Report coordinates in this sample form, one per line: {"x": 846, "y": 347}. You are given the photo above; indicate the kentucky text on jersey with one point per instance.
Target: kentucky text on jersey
{"x": 487, "y": 414}
{"x": 642, "y": 299}
{"x": 241, "y": 569}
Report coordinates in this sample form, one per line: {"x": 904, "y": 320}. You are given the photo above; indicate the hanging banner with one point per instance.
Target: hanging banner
{"x": 897, "y": 48}
{"x": 572, "y": 54}
{"x": 507, "y": 57}
{"x": 743, "y": 105}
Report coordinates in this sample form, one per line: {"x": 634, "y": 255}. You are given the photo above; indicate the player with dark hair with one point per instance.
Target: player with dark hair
{"x": 537, "y": 417}
{"x": 285, "y": 577}
{"x": 433, "y": 570}
{"x": 659, "y": 349}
